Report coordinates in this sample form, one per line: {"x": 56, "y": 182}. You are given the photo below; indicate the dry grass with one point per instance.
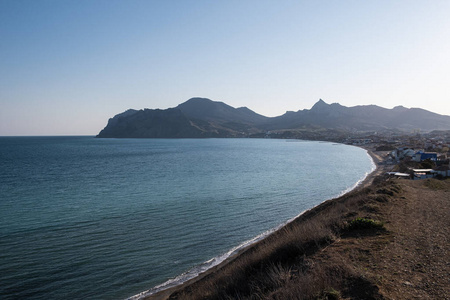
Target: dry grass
{"x": 435, "y": 184}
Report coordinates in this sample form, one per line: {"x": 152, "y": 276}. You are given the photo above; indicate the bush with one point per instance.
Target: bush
{"x": 330, "y": 294}
{"x": 435, "y": 184}
{"x": 364, "y": 223}
{"x": 427, "y": 164}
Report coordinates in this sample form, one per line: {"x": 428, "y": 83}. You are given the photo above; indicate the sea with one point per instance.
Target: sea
{"x": 89, "y": 218}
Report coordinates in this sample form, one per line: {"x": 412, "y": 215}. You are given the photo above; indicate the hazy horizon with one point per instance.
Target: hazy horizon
{"x": 69, "y": 66}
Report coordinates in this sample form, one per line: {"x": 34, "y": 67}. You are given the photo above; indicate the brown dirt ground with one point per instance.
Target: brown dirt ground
{"x": 411, "y": 260}
{"x": 415, "y": 262}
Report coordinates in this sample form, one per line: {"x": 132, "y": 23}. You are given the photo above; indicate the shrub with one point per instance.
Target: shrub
{"x": 435, "y": 184}
{"x": 382, "y": 198}
{"x": 364, "y": 223}
{"x": 385, "y": 192}
{"x": 427, "y": 164}
{"x": 330, "y": 294}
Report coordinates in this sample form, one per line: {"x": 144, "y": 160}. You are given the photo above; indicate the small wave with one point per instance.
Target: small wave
{"x": 196, "y": 271}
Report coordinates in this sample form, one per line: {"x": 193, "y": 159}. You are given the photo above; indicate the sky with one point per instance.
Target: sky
{"x": 67, "y": 66}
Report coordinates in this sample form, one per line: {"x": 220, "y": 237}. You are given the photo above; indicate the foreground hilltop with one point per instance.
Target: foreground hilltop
{"x": 202, "y": 118}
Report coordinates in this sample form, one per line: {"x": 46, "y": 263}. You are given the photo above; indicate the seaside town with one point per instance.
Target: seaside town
{"x": 412, "y": 156}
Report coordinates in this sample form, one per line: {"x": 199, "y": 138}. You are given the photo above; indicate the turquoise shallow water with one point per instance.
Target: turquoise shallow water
{"x": 109, "y": 218}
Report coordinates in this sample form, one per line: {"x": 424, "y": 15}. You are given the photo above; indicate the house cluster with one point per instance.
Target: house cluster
{"x": 437, "y": 143}
{"x": 439, "y": 161}
{"x": 402, "y": 153}
{"x": 434, "y": 141}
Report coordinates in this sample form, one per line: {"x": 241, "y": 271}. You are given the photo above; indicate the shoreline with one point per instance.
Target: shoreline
{"x": 377, "y": 159}
{"x": 165, "y": 293}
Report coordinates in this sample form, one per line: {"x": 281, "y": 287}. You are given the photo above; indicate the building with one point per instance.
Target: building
{"x": 421, "y": 156}
{"x": 399, "y": 175}
{"x": 401, "y": 153}
{"x": 423, "y": 173}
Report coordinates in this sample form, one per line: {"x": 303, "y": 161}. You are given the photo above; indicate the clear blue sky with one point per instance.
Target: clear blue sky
{"x": 66, "y": 66}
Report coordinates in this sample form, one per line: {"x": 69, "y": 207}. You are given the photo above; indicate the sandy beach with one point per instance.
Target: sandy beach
{"x": 378, "y": 158}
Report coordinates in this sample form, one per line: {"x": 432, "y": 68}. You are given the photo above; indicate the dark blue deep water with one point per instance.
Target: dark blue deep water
{"x": 83, "y": 218}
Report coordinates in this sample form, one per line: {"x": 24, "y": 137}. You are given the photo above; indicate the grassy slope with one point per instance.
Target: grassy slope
{"x": 322, "y": 256}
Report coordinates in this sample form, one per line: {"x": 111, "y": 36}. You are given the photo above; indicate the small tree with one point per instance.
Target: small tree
{"x": 427, "y": 164}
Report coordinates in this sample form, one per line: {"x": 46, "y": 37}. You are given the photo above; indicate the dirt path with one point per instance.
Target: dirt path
{"x": 412, "y": 259}
{"x": 416, "y": 264}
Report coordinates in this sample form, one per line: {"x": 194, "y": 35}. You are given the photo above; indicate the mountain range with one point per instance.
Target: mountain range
{"x": 203, "y": 118}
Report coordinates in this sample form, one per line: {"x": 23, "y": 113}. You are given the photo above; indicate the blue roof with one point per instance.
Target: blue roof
{"x": 430, "y": 155}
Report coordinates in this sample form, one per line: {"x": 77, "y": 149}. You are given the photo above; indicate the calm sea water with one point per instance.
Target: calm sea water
{"x": 107, "y": 219}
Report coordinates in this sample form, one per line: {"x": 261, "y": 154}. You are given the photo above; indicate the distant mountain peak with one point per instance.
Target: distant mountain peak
{"x": 400, "y": 108}
{"x": 320, "y": 103}
{"x": 199, "y": 99}
{"x": 320, "y": 106}
{"x": 218, "y": 112}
